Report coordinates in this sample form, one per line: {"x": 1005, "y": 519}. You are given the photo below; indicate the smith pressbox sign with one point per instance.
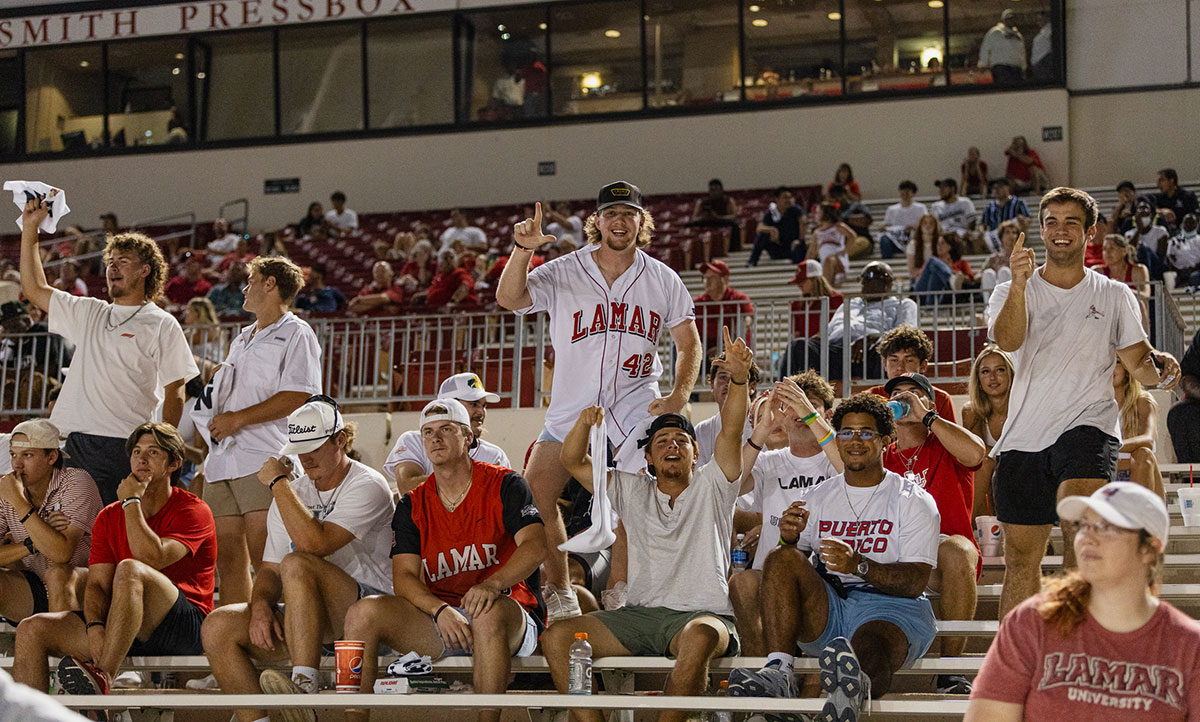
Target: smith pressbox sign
{"x": 210, "y": 16}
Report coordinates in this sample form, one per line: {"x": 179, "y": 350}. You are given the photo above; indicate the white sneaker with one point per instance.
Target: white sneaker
{"x": 209, "y": 682}
{"x": 614, "y": 598}
{"x": 560, "y": 603}
{"x": 129, "y": 680}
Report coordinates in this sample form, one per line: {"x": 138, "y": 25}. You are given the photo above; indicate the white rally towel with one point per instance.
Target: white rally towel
{"x": 25, "y": 191}
{"x": 604, "y": 520}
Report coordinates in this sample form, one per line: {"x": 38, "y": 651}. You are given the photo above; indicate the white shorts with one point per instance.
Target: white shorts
{"x": 528, "y": 642}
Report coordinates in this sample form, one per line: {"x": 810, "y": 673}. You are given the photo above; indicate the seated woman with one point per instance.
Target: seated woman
{"x": 1119, "y": 264}
{"x": 807, "y": 318}
{"x": 985, "y": 412}
{"x": 996, "y": 269}
{"x": 946, "y": 271}
{"x": 922, "y": 246}
{"x": 1025, "y": 171}
{"x": 1136, "y": 461}
{"x": 829, "y": 243}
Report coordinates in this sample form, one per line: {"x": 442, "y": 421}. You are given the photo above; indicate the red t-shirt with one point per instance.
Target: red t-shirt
{"x": 184, "y": 518}
{"x": 1018, "y": 170}
{"x": 1147, "y": 675}
{"x": 942, "y": 401}
{"x": 180, "y": 290}
{"x": 806, "y": 315}
{"x": 464, "y": 547}
{"x": 710, "y": 317}
{"x": 445, "y": 284}
{"x": 1093, "y": 254}
{"x": 961, "y": 266}
{"x": 951, "y": 484}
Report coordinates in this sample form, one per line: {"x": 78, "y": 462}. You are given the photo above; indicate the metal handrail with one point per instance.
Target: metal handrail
{"x": 190, "y": 234}
{"x": 240, "y": 224}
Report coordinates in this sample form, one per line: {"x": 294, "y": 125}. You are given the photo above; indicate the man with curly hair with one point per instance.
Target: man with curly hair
{"x": 860, "y": 607}
{"x": 907, "y": 350}
{"x": 130, "y": 355}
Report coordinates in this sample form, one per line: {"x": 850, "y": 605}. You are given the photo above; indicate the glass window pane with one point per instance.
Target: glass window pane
{"x": 64, "y": 99}
{"x": 990, "y": 40}
{"x": 692, "y": 47}
{"x": 897, "y": 45}
{"x": 10, "y": 100}
{"x": 792, "y": 52}
{"x": 320, "y": 79}
{"x": 235, "y": 85}
{"x": 409, "y": 74}
{"x": 504, "y": 56}
{"x": 597, "y": 58}
{"x": 147, "y": 93}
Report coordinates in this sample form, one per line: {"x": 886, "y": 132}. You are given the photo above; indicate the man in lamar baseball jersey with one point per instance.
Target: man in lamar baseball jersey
{"x": 608, "y": 303}
{"x": 1067, "y": 327}
{"x": 408, "y": 465}
{"x": 273, "y": 366}
{"x": 860, "y": 606}
{"x": 130, "y": 355}
{"x": 800, "y": 406}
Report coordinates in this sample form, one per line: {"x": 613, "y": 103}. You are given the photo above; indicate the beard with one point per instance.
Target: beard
{"x": 1065, "y": 256}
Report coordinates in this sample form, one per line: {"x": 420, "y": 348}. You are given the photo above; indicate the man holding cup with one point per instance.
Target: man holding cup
{"x": 327, "y": 542}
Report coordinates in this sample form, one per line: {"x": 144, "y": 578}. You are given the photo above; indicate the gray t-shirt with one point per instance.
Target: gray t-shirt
{"x": 678, "y": 556}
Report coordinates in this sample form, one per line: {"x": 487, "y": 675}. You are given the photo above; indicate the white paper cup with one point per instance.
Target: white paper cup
{"x": 1189, "y": 505}
{"x": 1169, "y": 280}
{"x": 991, "y": 539}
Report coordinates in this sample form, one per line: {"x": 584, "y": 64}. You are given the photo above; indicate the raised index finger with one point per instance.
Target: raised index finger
{"x": 728, "y": 340}
{"x": 1020, "y": 243}
{"x": 537, "y": 215}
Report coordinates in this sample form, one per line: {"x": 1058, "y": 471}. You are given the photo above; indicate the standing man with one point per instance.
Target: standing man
{"x": 150, "y": 577}
{"x": 273, "y": 366}
{"x": 327, "y": 545}
{"x": 608, "y": 302}
{"x": 409, "y": 465}
{"x": 1066, "y": 327}
{"x": 1003, "y": 50}
{"x": 468, "y": 544}
{"x": 721, "y": 305}
{"x": 130, "y": 355}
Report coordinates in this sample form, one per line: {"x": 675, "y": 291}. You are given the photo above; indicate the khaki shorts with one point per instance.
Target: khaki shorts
{"x": 236, "y": 497}
{"x": 648, "y": 631}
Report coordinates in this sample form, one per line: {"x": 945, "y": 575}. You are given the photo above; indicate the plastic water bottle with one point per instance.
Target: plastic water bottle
{"x": 723, "y": 691}
{"x": 899, "y": 409}
{"x": 739, "y": 557}
{"x": 580, "y": 666}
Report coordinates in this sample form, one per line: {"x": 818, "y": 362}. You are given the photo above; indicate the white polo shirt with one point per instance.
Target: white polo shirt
{"x": 284, "y": 356}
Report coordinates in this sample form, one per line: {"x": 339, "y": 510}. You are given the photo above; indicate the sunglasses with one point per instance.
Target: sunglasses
{"x": 864, "y": 434}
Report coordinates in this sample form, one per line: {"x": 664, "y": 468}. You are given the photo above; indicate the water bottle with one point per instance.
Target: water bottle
{"x": 739, "y": 556}
{"x": 899, "y": 409}
{"x": 723, "y": 691}
{"x": 580, "y": 666}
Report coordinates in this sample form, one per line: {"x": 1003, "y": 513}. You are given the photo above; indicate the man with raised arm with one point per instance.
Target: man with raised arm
{"x": 678, "y": 596}
{"x": 608, "y": 303}
{"x": 1067, "y": 327}
{"x": 130, "y": 355}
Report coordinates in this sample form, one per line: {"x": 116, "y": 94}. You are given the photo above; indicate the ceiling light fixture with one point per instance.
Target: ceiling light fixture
{"x": 612, "y": 33}
{"x": 759, "y": 22}
{"x": 835, "y": 15}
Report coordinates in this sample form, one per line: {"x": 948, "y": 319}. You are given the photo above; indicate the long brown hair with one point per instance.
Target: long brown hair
{"x": 919, "y": 242}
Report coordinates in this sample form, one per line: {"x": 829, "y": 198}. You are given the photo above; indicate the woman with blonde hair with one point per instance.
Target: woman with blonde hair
{"x": 986, "y": 411}
{"x": 203, "y": 331}
{"x": 1097, "y": 643}
{"x": 1139, "y": 421}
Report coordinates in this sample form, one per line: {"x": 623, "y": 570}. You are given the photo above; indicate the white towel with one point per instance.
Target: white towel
{"x": 600, "y": 534}
{"x": 25, "y": 191}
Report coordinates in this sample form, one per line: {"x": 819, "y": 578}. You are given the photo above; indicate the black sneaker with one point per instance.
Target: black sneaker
{"x": 953, "y": 684}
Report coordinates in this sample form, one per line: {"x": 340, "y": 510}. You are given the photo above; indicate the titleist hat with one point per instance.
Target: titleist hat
{"x": 1123, "y": 503}
{"x": 466, "y": 387}
{"x": 619, "y": 194}
{"x": 667, "y": 421}
{"x": 445, "y": 410}
{"x": 311, "y": 425}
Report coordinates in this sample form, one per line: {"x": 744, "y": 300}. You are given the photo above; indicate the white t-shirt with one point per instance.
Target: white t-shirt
{"x": 894, "y": 521}
{"x": 573, "y": 227}
{"x": 956, "y": 216}
{"x": 1184, "y": 250}
{"x": 1150, "y": 238}
{"x": 284, "y": 356}
{"x": 898, "y": 217}
{"x": 362, "y": 505}
{"x": 345, "y": 220}
{"x": 706, "y": 437}
{"x": 471, "y": 236}
{"x": 224, "y": 244}
{"x": 122, "y": 362}
{"x": 678, "y": 556}
{"x": 781, "y": 477}
{"x": 408, "y": 448}
{"x": 1062, "y": 375}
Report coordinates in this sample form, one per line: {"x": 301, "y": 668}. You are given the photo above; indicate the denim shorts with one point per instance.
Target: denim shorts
{"x": 914, "y": 617}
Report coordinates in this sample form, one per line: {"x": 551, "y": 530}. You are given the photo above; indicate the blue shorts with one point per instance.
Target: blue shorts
{"x": 547, "y": 436}
{"x": 914, "y": 617}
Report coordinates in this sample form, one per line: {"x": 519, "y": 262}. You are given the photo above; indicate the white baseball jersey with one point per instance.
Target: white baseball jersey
{"x": 606, "y": 338}
{"x": 409, "y": 448}
{"x": 894, "y": 521}
{"x": 781, "y": 477}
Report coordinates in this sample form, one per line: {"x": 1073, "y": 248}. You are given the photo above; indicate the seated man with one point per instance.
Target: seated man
{"x": 907, "y": 350}
{"x": 47, "y": 512}
{"x": 721, "y": 305}
{"x": 677, "y": 600}
{"x": 327, "y": 542}
{"x": 780, "y": 233}
{"x": 451, "y": 284}
{"x": 863, "y": 617}
{"x": 799, "y": 405}
{"x": 1004, "y": 206}
{"x": 382, "y": 296}
{"x": 1183, "y": 420}
{"x": 149, "y": 582}
{"x": 899, "y": 221}
{"x": 464, "y": 563}
{"x": 408, "y": 465}
{"x": 941, "y": 457}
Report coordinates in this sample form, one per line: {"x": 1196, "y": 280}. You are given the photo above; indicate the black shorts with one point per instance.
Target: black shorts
{"x": 37, "y": 590}
{"x": 1025, "y": 485}
{"x": 177, "y": 635}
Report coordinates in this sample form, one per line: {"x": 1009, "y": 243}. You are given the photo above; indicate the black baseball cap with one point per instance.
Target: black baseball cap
{"x": 619, "y": 194}
{"x": 947, "y": 182}
{"x": 1126, "y": 184}
{"x": 910, "y": 378}
{"x": 667, "y": 421}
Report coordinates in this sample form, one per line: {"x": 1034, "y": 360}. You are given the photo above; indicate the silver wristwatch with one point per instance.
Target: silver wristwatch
{"x": 862, "y": 568}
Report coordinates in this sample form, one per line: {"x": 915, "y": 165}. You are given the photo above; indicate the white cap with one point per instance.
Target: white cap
{"x": 1123, "y": 503}
{"x": 445, "y": 410}
{"x": 311, "y": 425}
{"x": 466, "y": 387}
{"x": 38, "y": 433}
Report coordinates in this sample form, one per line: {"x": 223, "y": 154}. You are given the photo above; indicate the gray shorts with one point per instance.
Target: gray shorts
{"x": 648, "y": 631}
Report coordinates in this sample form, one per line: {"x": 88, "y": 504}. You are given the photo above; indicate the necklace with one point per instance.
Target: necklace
{"x": 110, "y": 326}
{"x": 327, "y": 507}
{"x": 452, "y": 505}
{"x": 858, "y": 514}
{"x": 910, "y": 463}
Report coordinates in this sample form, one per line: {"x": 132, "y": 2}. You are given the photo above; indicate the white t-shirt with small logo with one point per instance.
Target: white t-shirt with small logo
{"x": 781, "y": 477}
{"x": 1062, "y": 374}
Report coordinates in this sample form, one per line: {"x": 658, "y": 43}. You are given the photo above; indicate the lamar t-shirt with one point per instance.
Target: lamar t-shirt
{"x": 184, "y": 518}
{"x": 1147, "y": 675}
{"x": 781, "y": 477}
{"x": 1062, "y": 374}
